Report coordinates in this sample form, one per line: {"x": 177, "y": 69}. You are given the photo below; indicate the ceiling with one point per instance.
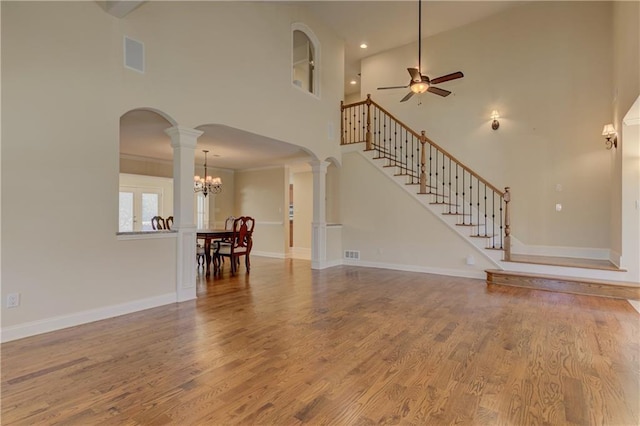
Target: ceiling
{"x": 383, "y": 25}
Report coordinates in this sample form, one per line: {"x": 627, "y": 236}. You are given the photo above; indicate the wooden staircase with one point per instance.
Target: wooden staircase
{"x": 474, "y": 208}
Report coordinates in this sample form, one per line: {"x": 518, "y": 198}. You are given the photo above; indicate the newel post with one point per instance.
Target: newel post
{"x": 507, "y": 224}
{"x": 423, "y": 163}
{"x": 368, "y": 136}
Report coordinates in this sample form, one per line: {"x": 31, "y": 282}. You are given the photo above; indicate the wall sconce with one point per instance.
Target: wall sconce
{"x": 610, "y": 133}
{"x": 495, "y": 123}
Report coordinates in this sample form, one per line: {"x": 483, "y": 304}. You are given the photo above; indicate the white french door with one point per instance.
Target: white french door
{"x": 137, "y": 206}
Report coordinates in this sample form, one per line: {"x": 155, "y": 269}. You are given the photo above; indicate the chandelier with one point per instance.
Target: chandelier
{"x": 207, "y": 184}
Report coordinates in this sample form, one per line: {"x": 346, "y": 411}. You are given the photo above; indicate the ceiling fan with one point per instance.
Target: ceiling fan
{"x": 421, "y": 83}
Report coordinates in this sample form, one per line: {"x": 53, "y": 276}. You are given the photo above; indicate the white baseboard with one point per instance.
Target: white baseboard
{"x": 271, "y": 254}
{"x": 464, "y": 273}
{"x": 332, "y": 263}
{"x": 56, "y": 323}
{"x": 300, "y": 253}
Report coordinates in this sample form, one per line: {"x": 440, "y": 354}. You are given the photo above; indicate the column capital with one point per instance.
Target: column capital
{"x": 319, "y": 166}
{"x": 183, "y": 136}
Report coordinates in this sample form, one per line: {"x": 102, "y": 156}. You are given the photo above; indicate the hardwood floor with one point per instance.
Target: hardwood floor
{"x": 344, "y": 346}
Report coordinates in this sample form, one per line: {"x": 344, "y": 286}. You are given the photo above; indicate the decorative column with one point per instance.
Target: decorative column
{"x": 319, "y": 224}
{"x": 183, "y": 142}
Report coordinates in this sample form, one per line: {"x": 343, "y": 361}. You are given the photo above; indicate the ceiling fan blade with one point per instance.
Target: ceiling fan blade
{"x": 407, "y": 97}
{"x": 415, "y": 74}
{"x": 447, "y": 77}
{"x": 438, "y": 91}
{"x": 393, "y": 87}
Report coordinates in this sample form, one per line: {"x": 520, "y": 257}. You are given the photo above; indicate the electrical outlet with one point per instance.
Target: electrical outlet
{"x": 13, "y": 300}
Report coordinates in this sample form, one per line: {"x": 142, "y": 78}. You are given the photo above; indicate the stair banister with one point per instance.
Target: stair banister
{"x": 356, "y": 126}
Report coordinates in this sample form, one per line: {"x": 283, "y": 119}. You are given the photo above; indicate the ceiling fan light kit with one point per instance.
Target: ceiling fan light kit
{"x": 419, "y": 87}
{"x": 421, "y": 83}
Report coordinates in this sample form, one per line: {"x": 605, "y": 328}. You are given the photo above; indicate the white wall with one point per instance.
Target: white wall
{"x": 546, "y": 67}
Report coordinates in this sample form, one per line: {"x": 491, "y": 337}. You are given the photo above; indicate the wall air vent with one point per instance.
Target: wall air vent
{"x": 352, "y": 254}
{"x": 133, "y": 54}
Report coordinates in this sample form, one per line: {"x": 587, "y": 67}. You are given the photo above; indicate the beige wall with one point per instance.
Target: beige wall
{"x": 64, "y": 89}
{"x": 147, "y": 167}
{"x": 222, "y": 205}
{"x": 546, "y": 67}
{"x": 398, "y": 232}
{"x": 626, "y": 88}
{"x": 333, "y": 194}
{"x": 302, "y": 209}
{"x": 60, "y": 121}
{"x": 261, "y": 194}
{"x": 211, "y": 52}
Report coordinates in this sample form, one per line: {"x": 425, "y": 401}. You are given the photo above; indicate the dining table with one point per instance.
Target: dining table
{"x": 209, "y": 235}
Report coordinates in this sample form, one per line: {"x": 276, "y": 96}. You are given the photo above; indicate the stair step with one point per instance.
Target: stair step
{"x": 601, "y": 264}
{"x": 456, "y": 214}
{"x": 428, "y": 186}
{"x": 612, "y": 289}
{"x": 482, "y": 236}
{"x": 466, "y": 224}
{"x": 433, "y": 193}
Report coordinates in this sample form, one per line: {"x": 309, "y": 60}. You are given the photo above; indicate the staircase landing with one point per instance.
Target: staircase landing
{"x": 563, "y": 284}
{"x": 607, "y": 285}
{"x": 601, "y": 264}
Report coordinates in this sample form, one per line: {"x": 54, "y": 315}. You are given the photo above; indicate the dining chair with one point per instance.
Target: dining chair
{"x": 157, "y": 223}
{"x": 169, "y": 222}
{"x": 200, "y": 255}
{"x": 228, "y": 226}
{"x": 239, "y": 245}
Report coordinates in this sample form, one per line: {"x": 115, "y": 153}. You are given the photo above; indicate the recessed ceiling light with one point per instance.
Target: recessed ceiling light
{"x": 363, "y": 46}
{"x": 353, "y": 82}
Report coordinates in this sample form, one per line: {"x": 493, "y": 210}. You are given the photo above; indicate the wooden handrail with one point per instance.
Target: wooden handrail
{"x": 391, "y": 135}
{"x": 432, "y": 143}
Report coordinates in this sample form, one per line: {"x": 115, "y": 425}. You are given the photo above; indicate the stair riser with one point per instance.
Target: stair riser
{"x": 560, "y": 285}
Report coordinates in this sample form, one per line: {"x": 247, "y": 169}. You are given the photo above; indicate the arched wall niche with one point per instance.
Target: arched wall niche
{"x": 305, "y": 59}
